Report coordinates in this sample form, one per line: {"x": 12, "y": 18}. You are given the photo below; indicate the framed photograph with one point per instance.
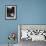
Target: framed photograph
{"x": 33, "y": 32}
{"x": 10, "y": 12}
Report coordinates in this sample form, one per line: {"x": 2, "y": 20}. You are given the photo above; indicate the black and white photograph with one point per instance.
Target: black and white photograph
{"x": 10, "y": 12}
{"x": 29, "y": 34}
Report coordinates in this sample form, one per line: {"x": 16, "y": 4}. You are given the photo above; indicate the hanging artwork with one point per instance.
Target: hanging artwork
{"x": 12, "y": 38}
{"x": 10, "y": 12}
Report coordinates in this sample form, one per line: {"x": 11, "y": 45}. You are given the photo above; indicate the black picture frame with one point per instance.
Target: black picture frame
{"x": 10, "y": 12}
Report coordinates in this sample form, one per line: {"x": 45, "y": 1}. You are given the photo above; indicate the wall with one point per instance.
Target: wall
{"x": 28, "y": 12}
